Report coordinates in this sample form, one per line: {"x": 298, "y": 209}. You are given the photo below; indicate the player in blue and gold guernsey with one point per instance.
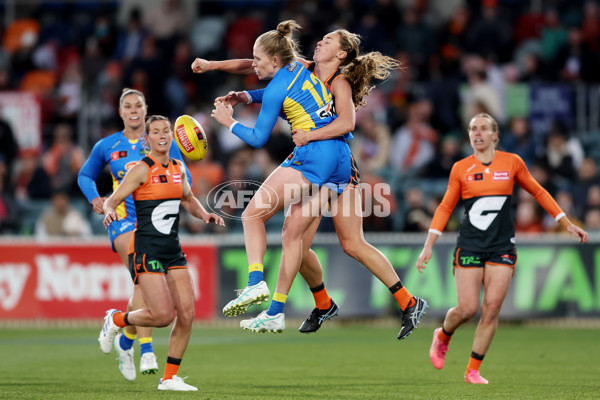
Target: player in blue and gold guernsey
{"x": 157, "y": 265}
{"x": 485, "y": 254}
{"x": 347, "y": 74}
{"x": 121, "y": 151}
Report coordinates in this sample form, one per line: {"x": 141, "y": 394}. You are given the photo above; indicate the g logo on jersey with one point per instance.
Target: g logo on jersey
{"x": 482, "y": 212}
{"x": 328, "y": 110}
{"x": 164, "y": 216}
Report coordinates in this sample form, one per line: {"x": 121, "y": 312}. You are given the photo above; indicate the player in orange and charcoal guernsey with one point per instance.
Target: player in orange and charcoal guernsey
{"x": 485, "y": 252}
{"x": 157, "y": 265}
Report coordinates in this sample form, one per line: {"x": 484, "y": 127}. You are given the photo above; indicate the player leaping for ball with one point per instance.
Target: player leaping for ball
{"x": 336, "y": 49}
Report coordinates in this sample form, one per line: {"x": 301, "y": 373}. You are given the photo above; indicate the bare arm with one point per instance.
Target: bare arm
{"x": 238, "y": 66}
{"x": 425, "y": 255}
{"x": 343, "y": 124}
{"x": 193, "y": 206}
{"x": 134, "y": 178}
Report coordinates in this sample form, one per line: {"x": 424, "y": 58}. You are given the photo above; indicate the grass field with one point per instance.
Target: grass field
{"x": 342, "y": 361}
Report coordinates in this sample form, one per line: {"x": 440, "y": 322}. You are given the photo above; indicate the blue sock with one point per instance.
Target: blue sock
{"x": 126, "y": 341}
{"x": 255, "y": 274}
{"x": 146, "y": 345}
{"x": 277, "y": 304}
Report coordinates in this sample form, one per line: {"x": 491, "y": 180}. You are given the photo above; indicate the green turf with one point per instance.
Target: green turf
{"x": 342, "y": 361}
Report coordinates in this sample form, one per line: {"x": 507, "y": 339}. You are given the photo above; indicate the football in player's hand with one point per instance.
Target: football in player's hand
{"x": 190, "y": 138}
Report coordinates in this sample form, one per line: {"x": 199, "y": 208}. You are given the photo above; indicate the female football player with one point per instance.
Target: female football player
{"x": 157, "y": 265}
{"x": 337, "y": 48}
{"x": 485, "y": 252}
{"x": 121, "y": 151}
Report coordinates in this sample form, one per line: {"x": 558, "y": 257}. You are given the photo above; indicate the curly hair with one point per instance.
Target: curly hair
{"x": 359, "y": 69}
{"x": 279, "y": 42}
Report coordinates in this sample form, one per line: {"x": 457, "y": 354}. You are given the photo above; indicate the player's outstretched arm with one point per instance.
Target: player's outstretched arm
{"x": 237, "y": 66}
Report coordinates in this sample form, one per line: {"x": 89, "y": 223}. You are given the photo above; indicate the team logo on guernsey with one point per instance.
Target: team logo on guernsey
{"x": 475, "y": 177}
{"x": 508, "y": 258}
{"x": 161, "y": 179}
{"x": 501, "y": 176}
{"x": 328, "y": 110}
{"x": 116, "y": 155}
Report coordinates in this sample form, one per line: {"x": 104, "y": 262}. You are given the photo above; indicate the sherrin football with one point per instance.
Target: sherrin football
{"x": 190, "y": 138}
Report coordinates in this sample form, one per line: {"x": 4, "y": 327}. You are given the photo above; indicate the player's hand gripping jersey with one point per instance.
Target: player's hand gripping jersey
{"x": 486, "y": 191}
{"x": 157, "y": 206}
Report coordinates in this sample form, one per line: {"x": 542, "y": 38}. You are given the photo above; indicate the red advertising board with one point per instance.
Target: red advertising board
{"x": 68, "y": 280}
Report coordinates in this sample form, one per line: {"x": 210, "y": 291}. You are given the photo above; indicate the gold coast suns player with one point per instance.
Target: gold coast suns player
{"x": 156, "y": 262}
{"x": 485, "y": 253}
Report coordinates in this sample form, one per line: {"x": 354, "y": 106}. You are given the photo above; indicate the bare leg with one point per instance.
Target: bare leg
{"x": 121, "y": 244}
{"x": 468, "y": 290}
{"x": 182, "y": 293}
{"x": 301, "y": 217}
{"x": 161, "y": 309}
{"x": 311, "y": 269}
{"x": 496, "y": 281}
{"x": 266, "y": 202}
{"x": 347, "y": 218}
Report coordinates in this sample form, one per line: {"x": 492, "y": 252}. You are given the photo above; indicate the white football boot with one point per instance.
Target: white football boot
{"x": 176, "y": 383}
{"x": 108, "y": 332}
{"x": 247, "y": 297}
{"x": 148, "y": 365}
{"x": 126, "y": 365}
{"x": 265, "y": 323}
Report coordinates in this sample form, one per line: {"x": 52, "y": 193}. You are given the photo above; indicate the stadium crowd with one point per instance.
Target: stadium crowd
{"x": 476, "y": 56}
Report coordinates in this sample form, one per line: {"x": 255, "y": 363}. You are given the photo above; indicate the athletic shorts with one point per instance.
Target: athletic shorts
{"x": 324, "y": 162}
{"x": 147, "y": 264}
{"x": 477, "y": 259}
{"x": 117, "y": 228}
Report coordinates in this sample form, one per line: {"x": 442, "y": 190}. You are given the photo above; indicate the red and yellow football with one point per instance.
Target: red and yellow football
{"x": 190, "y": 138}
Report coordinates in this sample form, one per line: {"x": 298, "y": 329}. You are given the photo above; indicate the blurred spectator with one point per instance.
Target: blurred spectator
{"x": 166, "y": 22}
{"x": 69, "y": 92}
{"x": 560, "y": 157}
{"x": 415, "y": 38}
{"x": 241, "y": 34}
{"x": 130, "y": 39}
{"x": 448, "y": 153}
{"x": 592, "y": 220}
{"x": 417, "y": 217}
{"x": 528, "y": 218}
{"x": 413, "y": 144}
{"x": 9, "y": 148}
{"x": 490, "y": 33}
{"x": 554, "y": 35}
{"x": 63, "y": 160}
{"x": 9, "y": 221}
{"x": 587, "y": 177}
{"x": 371, "y": 144}
{"x": 479, "y": 92}
{"x": 593, "y": 197}
{"x": 575, "y": 61}
{"x": 590, "y": 26}
{"x": 565, "y": 200}
{"x": 31, "y": 179}
{"x": 62, "y": 220}
{"x": 518, "y": 140}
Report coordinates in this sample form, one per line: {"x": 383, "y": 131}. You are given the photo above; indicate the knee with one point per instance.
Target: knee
{"x": 164, "y": 318}
{"x": 352, "y": 246}
{"x": 289, "y": 235}
{"x": 490, "y": 311}
{"x": 186, "y": 317}
{"x": 467, "y": 312}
